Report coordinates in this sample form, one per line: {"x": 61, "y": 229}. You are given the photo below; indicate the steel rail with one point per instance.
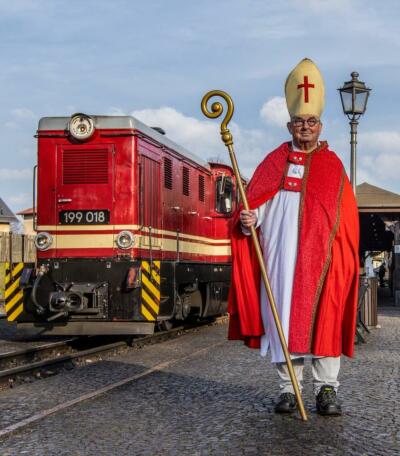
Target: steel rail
{"x": 13, "y": 354}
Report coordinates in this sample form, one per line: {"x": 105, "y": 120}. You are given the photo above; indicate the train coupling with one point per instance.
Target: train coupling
{"x": 78, "y": 298}
{"x": 66, "y": 301}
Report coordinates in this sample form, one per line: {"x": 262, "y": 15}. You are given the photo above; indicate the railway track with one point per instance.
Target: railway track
{"x": 27, "y": 363}
{"x": 48, "y": 359}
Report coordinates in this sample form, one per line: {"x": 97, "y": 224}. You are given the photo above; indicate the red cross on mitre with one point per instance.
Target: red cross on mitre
{"x": 306, "y": 85}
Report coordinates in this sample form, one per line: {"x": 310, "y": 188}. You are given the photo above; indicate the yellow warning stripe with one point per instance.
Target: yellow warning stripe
{"x": 16, "y": 312}
{"x": 146, "y": 267}
{"x": 7, "y": 277}
{"x": 17, "y": 269}
{"x": 13, "y": 295}
{"x": 156, "y": 265}
{"x": 150, "y": 293}
{"x": 14, "y": 300}
{"x": 147, "y": 314}
{"x": 150, "y": 301}
{"x": 9, "y": 291}
{"x": 150, "y": 286}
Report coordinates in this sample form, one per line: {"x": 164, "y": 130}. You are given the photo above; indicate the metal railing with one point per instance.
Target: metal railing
{"x": 367, "y": 308}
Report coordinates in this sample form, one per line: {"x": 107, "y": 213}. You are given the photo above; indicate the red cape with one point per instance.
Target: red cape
{"x": 325, "y": 288}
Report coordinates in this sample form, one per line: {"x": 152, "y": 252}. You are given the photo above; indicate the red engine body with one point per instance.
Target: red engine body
{"x": 127, "y": 177}
{"x": 143, "y": 181}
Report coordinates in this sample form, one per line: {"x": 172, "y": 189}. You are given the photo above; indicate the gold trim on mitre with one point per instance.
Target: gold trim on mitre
{"x": 305, "y": 90}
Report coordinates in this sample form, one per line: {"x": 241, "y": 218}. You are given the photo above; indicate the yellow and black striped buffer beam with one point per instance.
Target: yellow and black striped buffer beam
{"x": 150, "y": 294}
{"x": 13, "y": 294}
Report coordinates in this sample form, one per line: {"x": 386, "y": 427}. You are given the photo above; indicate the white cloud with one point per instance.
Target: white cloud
{"x": 380, "y": 140}
{"x": 20, "y": 7}
{"x": 364, "y": 175}
{"x": 28, "y": 151}
{"x": 115, "y": 111}
{"x": 15, "y": 174}
{"x": 384, "y": 165}
{"x": 202, "y": 137}
{"x": 20, "y": 201}
{"x": 23, "y": 113}
{"x": 11, "y": 125}
{"x": 378, "y": 158}
{"x": 327, "y": 6}
{"x": 274, "y": 112}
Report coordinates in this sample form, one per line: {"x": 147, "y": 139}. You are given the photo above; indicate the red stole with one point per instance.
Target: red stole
{"x": 319, "y": 220}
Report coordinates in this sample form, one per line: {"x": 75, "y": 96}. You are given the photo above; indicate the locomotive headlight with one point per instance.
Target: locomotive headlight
{"x": 125, "y": 239}
{"x": 81, "y": 126}
{"x": 43, "y": 241}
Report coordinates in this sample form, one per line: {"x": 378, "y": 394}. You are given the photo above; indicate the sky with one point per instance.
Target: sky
{"x": 156, "y": 59}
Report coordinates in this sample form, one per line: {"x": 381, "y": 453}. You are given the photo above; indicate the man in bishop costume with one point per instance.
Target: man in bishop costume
{"x": 306, "y": 214}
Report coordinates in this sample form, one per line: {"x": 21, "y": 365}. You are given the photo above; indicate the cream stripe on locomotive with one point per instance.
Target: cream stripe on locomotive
{"x": 13, "y": 294}
{"x": 98, "y": 241}
{"x": 118, "y": 228}
{"x": 150, "y": 292}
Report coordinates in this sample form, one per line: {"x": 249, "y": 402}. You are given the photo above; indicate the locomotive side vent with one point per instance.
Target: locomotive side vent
{"x": 185, "y": 181}
{"x": 85, "y": 166}
{"x": 201, "y": 188}
{"x": 167, "y": 173}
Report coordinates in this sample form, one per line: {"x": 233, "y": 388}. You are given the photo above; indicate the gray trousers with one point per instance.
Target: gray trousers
{"x": 325, "y": 371}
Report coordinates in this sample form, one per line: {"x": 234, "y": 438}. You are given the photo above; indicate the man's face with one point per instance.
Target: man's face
{"x": 305, "y": 129}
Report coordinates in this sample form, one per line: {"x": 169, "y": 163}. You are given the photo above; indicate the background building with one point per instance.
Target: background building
{"x": 6, "y": 217}
{"x": 27, "y": 220}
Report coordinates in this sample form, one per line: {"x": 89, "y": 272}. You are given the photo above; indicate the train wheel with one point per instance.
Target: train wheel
{"x": 165, "y": 325}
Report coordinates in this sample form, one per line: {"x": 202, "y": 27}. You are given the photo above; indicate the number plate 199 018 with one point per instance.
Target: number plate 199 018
{"x": 95, "y": 217}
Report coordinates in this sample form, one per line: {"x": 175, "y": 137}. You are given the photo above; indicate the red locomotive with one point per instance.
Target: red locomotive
{"x": 132, "y": 230}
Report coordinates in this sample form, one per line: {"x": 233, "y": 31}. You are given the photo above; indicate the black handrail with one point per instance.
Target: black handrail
{"x": 34, "y": 198}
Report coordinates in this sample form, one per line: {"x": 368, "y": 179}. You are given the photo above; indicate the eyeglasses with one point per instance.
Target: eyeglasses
{"x": 311, "y": 122}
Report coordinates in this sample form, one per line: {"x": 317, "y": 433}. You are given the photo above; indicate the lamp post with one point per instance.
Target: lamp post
{"x": 354, "y": 95}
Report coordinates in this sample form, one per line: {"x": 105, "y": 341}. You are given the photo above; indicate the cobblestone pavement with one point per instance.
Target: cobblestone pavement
{"x": 217, "y": 402}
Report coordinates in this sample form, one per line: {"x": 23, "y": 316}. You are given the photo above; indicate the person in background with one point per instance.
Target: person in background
{"x": 381, "y": 274}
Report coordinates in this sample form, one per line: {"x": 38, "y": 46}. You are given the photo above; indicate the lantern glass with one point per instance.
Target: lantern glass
{"x": 360, "y": 102}
{"x": 347, "y": 101}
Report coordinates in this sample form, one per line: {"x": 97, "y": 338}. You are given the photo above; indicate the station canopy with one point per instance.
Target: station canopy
{"x": 378, "y": 209}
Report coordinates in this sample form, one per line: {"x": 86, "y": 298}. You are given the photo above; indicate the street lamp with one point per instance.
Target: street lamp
{"x": 354, "y": 95}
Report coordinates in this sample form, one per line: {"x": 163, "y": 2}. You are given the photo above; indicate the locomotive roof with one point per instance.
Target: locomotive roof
{"x": 122, "y": 122}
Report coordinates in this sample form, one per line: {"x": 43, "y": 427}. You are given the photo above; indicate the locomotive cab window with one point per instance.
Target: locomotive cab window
{"x": 224, "y": 195}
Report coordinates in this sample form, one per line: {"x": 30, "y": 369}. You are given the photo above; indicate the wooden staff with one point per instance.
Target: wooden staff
{"x": 226, "y": 136}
